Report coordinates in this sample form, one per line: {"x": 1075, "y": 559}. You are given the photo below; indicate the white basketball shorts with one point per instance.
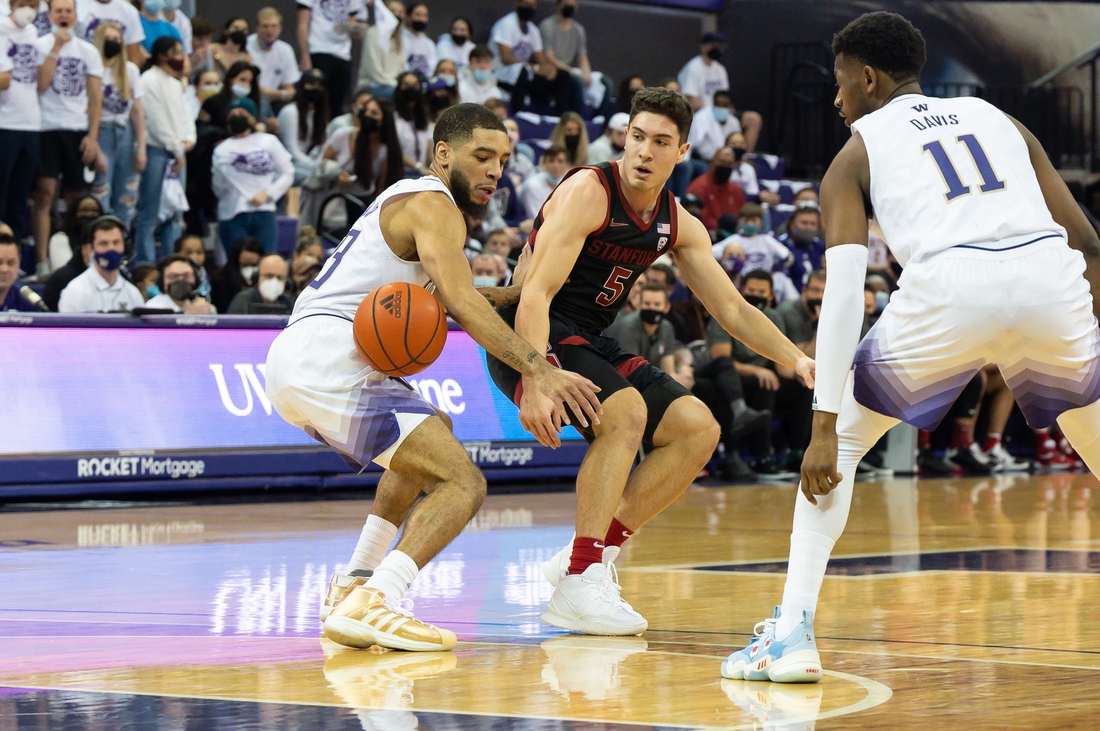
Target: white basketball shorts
{"x": 317, "y": 381}
{"x": 1028, "y": 310}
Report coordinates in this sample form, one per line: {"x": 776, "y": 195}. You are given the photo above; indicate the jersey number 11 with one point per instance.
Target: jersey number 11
{"x": 955, "y": 187}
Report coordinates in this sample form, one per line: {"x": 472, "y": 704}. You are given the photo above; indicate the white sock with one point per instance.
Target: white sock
{"x": 805, "y": 572}
{"x": 394, "y": 575}
{"x": 376, "y": 537}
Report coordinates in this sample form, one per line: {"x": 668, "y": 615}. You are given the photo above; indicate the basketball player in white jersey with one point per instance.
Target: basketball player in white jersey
{"x": 1001, "y": 267}
{"x": 413, "y": 232}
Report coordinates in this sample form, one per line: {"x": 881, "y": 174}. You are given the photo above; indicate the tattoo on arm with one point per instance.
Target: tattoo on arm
{"x": 531, "y": 356}
{"x": 500, "y": 296}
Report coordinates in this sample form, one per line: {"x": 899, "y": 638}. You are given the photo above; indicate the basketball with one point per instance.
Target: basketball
{"x": 400, "y": 329}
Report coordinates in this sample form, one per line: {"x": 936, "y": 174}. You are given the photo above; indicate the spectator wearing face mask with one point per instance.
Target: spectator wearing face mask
{"x": 172, "y": 13}
{"x": 802, "y": 241}
{"x": 446, "y": 73}
{"x": 420, "y": 53}
{"x": 324, "y": 41}
{"x": 170, "y": 134}
{"x": 101, "y": 287}
{"x": 230, "y": 46}
{"x": 268, "y": 295}
{"x": 70, "y": 88}
{"x": 383, "y": 57}
{"x": 252, "y": 171}
{"x": 476, "y": 82}
{"x": 522, "y": 68}
{"x": 612, "y": 143}
{"x": 194, "y": 248}
{"x": 240, "y": 83}
{"x": 238, "y": 274}
{"x": 804, "y": 195}
{"x": 302, "y": 124}
{"x": 41, "y": 21}
{"x": 794, "y": 401}
{"x": 486, "y": 270}
{"x": 144, "y": 277}
{"x": 703, "y": 75}
{"x": 439, "y": 98}
{"x": 278, "y": 68}
{"x": 178, "y": 282}
{"x": 80, "y": 214}
{"x": 565, "y": 44}
{"x": 205, "y": 84}
{"x": 121, "y": 129}
{"x": 647, "y": 332}
{"x": 744, "y": 172}
{"x": 711, "y": 126}
{"x": 155, "y": 26}
{"x": 413, "y": 128}
{"x": 571, "y": 134}
{"x": 719, "y": 194}
{"x": 762, "y": 251}
{"x": 91, "y": 14}
{"x": 456, "y": 44}
{"x": 65, "y": 242}
{"x": 628, "y": 87}
{"x": 369, "y": 154}
{"x": 537, "y": 188}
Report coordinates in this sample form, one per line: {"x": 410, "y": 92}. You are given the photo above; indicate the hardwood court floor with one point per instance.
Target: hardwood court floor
{"x": 949, "y": 604}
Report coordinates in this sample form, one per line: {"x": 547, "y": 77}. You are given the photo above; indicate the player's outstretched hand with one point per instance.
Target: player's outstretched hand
{"x": 567, "y": 389}
{"x": 819, "y": 475}
{"x": 537, "y": 414}
{"x": 805, "y": 369}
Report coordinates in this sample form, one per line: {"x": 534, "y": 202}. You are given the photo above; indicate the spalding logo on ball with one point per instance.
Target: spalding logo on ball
{"x": 400, "y": 329}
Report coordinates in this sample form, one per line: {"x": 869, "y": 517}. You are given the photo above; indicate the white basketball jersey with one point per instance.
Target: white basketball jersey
{"x": 951, "y": 172}
{"x": 364, "y": 261}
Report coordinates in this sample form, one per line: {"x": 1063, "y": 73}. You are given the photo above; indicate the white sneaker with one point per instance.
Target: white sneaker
{"x": 589, "y": 603}
{"x": 1002, "y": 461}
{"x": 557, "y": 568}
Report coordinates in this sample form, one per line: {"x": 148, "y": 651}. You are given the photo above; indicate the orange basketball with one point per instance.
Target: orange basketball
{"x": 400, "y": 329}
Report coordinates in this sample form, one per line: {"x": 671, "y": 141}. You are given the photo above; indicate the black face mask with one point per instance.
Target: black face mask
{"x": 438, "y": 102}
{"x": 738, "y": 153}
{"x": 180, "y": 291}
{"x": 756, "y": 301}
{"x": 459, "y": 40}
{"x": 111, "y": 49}
{"x": 571, "y": 141}
{"x": 525, "y": 14}
{"x": 568, "y": 11}
{"x": 419, "y": 26}
{"x": 722, "y": 174}
{"x": 368, "y": 124}
{"x": 239, "y": 123}
{"x": 239, "y": 38}
{"x": 714, "y": 54}
{"x": 313, "y": 96}
{"x": 803, "y": 237}
{"x": 406, "y": 97}
{"x": 617, "y": 148}
{"x": 813, "y": 305}
{"x": 651, "y": 317}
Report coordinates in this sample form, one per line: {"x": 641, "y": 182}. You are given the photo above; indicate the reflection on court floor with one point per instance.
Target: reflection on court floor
{"x": 949, "y": 603}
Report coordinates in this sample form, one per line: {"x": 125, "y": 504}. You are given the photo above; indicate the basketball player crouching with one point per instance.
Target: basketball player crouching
{"x": 599, "y": 230}
{"x": 1001, "y": 267}
{"x": 413, "y": 232}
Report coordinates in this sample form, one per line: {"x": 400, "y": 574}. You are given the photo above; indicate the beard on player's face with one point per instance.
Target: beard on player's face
{"x": 461, "y": 190}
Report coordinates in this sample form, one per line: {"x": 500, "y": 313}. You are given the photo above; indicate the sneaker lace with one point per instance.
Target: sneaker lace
{"x": 401, "y": 606}
{"x": 763, "y": 628}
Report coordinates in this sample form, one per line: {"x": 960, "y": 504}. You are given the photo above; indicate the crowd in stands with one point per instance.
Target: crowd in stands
{"x": 149, "y": 160}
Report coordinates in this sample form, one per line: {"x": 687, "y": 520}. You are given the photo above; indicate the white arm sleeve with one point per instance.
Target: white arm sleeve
{"x": 840, "y": 322}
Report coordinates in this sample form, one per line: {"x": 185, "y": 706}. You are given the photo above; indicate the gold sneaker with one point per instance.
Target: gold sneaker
{"x": 365, "y": 618}
{"x": 339, "y": 586}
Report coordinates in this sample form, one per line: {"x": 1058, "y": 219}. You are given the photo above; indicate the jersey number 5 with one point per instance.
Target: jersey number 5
{"x": 613, "y": 287}
{"x": 950, "y": 175}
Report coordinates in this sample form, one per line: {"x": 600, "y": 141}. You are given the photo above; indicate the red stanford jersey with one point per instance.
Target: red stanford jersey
{"x": 613, "y": 257}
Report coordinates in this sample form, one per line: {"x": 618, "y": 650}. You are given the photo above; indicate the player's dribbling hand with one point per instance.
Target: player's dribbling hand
{"x": 537, "y": 416}
{"x": 819, "y": 475}
{"x": 805, "y": 368}
{"x": 568, "y": 389}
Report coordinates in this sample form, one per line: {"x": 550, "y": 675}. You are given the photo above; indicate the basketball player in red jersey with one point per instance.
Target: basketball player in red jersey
{"x": 599, "y": 230}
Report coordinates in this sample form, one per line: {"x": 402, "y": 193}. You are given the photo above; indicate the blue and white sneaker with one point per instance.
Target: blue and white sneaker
{"x": 794, "y": 659}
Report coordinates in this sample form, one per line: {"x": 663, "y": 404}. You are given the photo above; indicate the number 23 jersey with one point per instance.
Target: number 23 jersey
{"x": 951, "y": 172}
{"x": 613, "y": 257}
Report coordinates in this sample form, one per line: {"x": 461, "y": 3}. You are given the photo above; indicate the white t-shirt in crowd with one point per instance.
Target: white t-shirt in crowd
{"x": 534, "y": 192}
{"x": 116, "y": 110}
{"x": 445, "y": 48}
{"x": 325, "y": 15}
{"x": 744, "y": 175}
{"x": 90, "y": 13}
{"x": 700, "y": 79}
{"x": 65, "y": 100}
{"x": 19, "y": 106}
{"x": 277, "y": 64}
{"x": 471, "y": 91}
{"x": 708, "y": 135}
{"x": 524, "y": 45}
{"x": 182, "y": 23}
{"x": 298, "y": 148}
{"x": 162, "y": 302}
{"x": 89, "y": 292}
{"x": 41, "y": 21}
{"x": 415, "y": 143}
{"x": 420, "y": 55}
{"x": 244, "y": 166}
